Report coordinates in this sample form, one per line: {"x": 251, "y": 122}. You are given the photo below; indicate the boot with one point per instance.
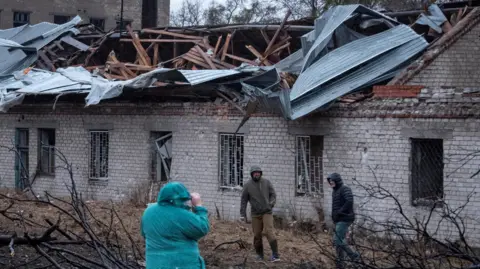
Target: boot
{"x": 259, "y": 250}
{"x": 275, "y": 256}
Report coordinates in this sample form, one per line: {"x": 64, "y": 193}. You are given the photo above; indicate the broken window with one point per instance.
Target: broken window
{"x": 309, "y": 165}
{"x": 99, "y": 154}
{"x": 99, "y": 23}
{"x": 231, "y": 160}
{"x": 21, "y": 158}
{"x": 161, "y": 150}
{"x": 46, "y": 151}
{"x": 60, "y": 19}
{"x": 149, "y": 13}
{"x": 20, "y": 18}
{"x": 427, "y": 171}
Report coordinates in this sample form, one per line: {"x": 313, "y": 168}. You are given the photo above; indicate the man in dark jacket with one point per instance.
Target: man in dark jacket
{"x": 342, "y": 216}
{"x": 261, "y": 195}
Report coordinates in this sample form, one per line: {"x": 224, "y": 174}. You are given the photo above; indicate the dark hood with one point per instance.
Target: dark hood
{"x": 255, "y": 168}
{"x": 335, "y": 177}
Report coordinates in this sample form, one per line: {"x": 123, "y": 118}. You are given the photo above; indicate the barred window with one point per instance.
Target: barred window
{"x": 20, "y": 18}
{"x": 98, "y": 155}
{"x": 426, "y": 171}
{"x": 309, "y": 165}
{"x": 231, "y": 160}
{"x": 46, "y": 151}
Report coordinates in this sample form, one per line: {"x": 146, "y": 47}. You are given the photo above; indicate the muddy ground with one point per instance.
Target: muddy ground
{"x": 298, "y": 249}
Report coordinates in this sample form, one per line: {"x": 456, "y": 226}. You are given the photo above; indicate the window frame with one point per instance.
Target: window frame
{"x": 50, "y": 169}
{"x": 302, "y": 189}
{"x": 416, "y": 199}
{"x": 155, "y": 156}
{"x": 18, "y": 23}
{"x": 239, "y": 178}
{"x": 92, "y": 19}
{"x": 66, "y": 18}
{"x": 96, "y": 149}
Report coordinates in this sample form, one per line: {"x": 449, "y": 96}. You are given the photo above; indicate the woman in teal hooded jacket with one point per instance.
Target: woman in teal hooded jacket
{"x": 171, "y": 230}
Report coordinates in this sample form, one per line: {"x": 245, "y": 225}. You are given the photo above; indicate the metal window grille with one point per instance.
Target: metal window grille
{"x": 161, "y": 156}
{"x": 46, "y": 155}
{"x": 309, "y": 165}
{"x": 426, "y": 171}
{"x": 99, "y": 154}
{"x": 20, "y": 18}
{"x": 231, "y": 160}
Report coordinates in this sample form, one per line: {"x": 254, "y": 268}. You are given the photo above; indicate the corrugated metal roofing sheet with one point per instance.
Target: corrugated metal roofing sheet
{"x": 384, "y": 64}
{"x": 32, "y": 38}
{"x": 348, "y": 57}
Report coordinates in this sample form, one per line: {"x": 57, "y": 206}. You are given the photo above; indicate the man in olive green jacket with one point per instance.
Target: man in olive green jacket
{"x": 261, "y": 195}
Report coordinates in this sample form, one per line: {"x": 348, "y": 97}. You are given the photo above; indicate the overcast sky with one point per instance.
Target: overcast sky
{"x": 176, "y": 4}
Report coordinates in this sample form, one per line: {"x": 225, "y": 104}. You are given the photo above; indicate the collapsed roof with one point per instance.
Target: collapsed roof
{"x": 348, "y": 49}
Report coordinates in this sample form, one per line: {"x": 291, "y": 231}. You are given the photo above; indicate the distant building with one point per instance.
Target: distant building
{"x": 103, "y": 13}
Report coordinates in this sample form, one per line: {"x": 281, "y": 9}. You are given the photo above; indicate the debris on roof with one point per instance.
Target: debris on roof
{"x": 336, "y": 60}
{"x": 295, "y": 67}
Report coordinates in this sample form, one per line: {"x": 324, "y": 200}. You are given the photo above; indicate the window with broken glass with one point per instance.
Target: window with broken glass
{"x": 231, "y": 160}
{"x": 309, "y": 165}
{"x": 20, "y": 18}
{"x": 21, "y": 158}
{"x": 99, "y": 23}
{"x": 427, "y": 172}
{"x": 98, "y": 168}
{"x": 46, "y": 151}
{"x": 161, "y": 156}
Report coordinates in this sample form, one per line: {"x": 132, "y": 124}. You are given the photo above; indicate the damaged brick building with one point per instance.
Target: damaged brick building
{"x": 105, "y": 14}
{"x": 119, "y": 144}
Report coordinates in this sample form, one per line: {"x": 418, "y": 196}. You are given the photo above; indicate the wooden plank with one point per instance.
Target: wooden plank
{"x": 217, "y": 46}
{"x": 257, "y": 54}
{"x": 190, "y": 59}
{"x": 218, "y": 63}
{"x": 275, "y": 51}
{"x": 59, "y": 44}
{"x": 232, "y": 102}
{"x": 265, "y": 36}
{"x": 138, "y": 46}
{"x": 114, "y": 59}
{"x": 163, "y": 32}
{"x": 241, "y": 59}
{"x": 205, "y": 57}
{"x": 47, "y": 60}
{"x": 274, "y": 38}
{"x": 155, "y": 54}
{"x": 225, "y": 47}
{"x": 161, "y": 40}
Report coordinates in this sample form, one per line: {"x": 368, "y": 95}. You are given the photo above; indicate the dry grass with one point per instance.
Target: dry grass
{"x": 296, "y": 248}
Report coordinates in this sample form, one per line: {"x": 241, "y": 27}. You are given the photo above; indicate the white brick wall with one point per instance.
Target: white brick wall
{"x": 269, "y": 142}
{"x": 195, "y": 156}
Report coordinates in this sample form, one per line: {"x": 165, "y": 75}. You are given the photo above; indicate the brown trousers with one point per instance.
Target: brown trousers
{"x": 260, "y": 224}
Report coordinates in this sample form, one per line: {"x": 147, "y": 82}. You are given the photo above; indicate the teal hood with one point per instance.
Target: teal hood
{"x": 174, "y": 193}
{"x": 171, "y": 230}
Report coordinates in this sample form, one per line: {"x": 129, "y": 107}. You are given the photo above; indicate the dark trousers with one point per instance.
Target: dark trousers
{"x": 341, "y": 247}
